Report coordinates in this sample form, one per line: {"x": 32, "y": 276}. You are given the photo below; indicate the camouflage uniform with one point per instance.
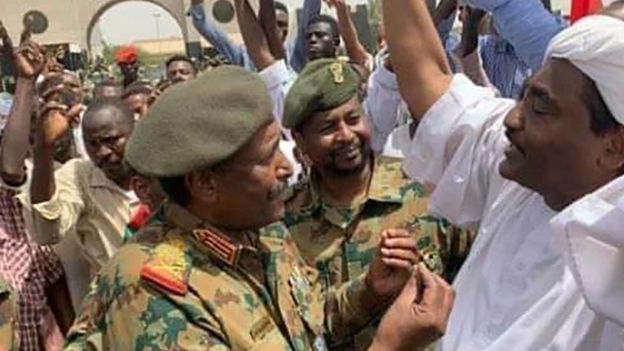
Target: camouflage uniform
{"x": 181, "y": 286}
{"x": 341, "y": 242}
{"x": 7, "y": 308}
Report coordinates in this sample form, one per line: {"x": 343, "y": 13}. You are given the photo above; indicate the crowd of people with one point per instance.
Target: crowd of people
{"x": 451, "y": 191}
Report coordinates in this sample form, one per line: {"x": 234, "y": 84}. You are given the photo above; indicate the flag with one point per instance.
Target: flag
{"x": 582, "y": 8}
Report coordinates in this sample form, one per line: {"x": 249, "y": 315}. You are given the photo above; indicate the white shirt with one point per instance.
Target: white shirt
{"x": 384, "y": 107}
{"x": 278, "y": 79}
{"x": 514, "y": 291}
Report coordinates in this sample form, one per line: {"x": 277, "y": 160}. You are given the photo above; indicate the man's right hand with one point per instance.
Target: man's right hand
{"x": 29, "y": 60}
{"x": 418, "y": 316}
{"x": 55, "y": 119}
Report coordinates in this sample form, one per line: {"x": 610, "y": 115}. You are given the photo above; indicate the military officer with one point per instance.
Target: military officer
{"x": 204, "y": 277}
{"x": 7, "y": 315}
{"x": 350, "y": 196}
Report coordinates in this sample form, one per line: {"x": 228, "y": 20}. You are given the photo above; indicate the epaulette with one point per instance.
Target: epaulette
{"x": 169, "y": 267}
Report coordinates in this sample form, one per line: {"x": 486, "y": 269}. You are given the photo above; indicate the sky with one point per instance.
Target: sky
{"x": 134, "y": 20}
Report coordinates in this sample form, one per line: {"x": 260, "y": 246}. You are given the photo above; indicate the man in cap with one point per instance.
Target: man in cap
{"x": 510, "y": 167}
{"x": 205, "y": 277}
{"x": 336, "y": 215}
{"x": 126, "y": 59}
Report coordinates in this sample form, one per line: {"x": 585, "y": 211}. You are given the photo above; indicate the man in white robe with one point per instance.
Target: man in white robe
{"x": 510, "y": 167}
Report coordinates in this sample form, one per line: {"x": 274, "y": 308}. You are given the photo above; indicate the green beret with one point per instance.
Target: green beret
{"x": 322, "y": 85}
{"x": 199, "y": 123}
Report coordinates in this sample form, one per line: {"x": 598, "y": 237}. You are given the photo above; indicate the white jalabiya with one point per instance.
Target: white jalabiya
{"x": 514, "y": 291}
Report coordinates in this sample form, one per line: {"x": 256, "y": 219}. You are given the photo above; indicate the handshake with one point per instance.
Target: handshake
{"x": 419, "y": 314}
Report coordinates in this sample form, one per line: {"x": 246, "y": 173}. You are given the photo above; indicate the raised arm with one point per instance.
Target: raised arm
{"x": 526, "y": 24}
{"x": 417, "y": 54}
{"x": 253, "y": 35}
{"x": 355, "y": 50}
{"x": 30, "y": 61}
{"x": 311, "y": 9}
{"x": 209, "y": 30}
{"x": 269, "y": 26}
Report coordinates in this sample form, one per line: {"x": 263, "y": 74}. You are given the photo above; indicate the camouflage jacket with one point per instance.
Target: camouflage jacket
{"x": 341, "y": 242}
{"x": 182, "y": 286}
{"x": 7, "y": 310}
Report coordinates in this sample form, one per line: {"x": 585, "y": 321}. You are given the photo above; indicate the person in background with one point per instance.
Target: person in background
{"x": 108, "y": 89}
{"x": 180, "y": 69}
{"x": 509, "y": 167}
{"x": 91, "y": 196}
{"x": 34, "y": 272}
{"x": 127, "y": 60}
{"x": 336, "y": 216}
{"x": 136, "y": 96}
{"x": 238, "y": 55}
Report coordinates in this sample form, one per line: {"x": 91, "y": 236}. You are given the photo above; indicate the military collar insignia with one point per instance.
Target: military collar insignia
{"x": 337, "y": 73}
{"x": 219, "y": 245}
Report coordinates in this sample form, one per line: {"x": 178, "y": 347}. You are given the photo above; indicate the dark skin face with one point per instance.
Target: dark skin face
{"x": 553, "y": 150}
{"x": 129, "y": 71}
{"x": 321, "y": 41}
{"x": 138, "y": 104}
{"x": 107, "y": 91}
{"x": 281, "y": 18}
{"x": 247, "y": 191}
{"x": 106, "y": 133}
{"x": 180, "y": 71}
{"x": 337, "y": 142}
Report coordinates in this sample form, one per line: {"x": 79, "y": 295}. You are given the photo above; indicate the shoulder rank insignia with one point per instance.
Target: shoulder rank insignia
{"x": 169, "y": 267}
{"x": 218, "y": 245}
{"x": 336, "y": 71}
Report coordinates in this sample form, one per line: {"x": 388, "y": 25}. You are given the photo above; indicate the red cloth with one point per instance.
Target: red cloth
{"x": 126, "y": 55}
{"x": 582, "y": 8}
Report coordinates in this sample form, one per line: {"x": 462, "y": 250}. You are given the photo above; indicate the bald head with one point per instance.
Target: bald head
{"x": 110, "y": 111}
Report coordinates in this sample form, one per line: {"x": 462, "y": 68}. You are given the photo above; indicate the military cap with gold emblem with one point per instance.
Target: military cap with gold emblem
{"x": 199, "y": 123}
{"x": 322, "y": 85}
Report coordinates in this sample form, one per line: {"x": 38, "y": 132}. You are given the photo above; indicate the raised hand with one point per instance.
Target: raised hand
{"x": 396, "y": 255}
{"x": 418, "y": 316}
{"x": 55, "y": 118}
{"x": 29, "y": 60}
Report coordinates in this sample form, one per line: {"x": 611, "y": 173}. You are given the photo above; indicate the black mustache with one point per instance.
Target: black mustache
{"x": 278, "y": 191}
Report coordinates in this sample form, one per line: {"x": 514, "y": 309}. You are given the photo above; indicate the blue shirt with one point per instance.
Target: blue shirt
{"x": 525, "y": 24}
{"x": 237, "y": 54}
{"x": 505, "y": 70}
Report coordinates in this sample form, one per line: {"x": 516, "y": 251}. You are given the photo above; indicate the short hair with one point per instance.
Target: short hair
{"x": 281, "y": 6}
{"x": 108, "y": 83}
{"x": 178, "y": 57}
{"x": 323, "y": 18}
{"x": 136, "y": 88}
{"x": 114, "y": 104}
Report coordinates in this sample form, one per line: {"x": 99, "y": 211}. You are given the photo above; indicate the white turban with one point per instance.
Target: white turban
{"x": 595, "y": 45}
{"x": 591, "y": 234}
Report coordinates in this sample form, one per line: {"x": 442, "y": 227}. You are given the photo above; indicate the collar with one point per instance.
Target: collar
{"x": 98, "y": 179}
{"x": 206, "y": 237}
{"x": 382, "y": 189}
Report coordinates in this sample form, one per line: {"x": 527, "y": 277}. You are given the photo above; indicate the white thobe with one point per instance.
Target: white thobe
{"x": 514, "y": 291}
